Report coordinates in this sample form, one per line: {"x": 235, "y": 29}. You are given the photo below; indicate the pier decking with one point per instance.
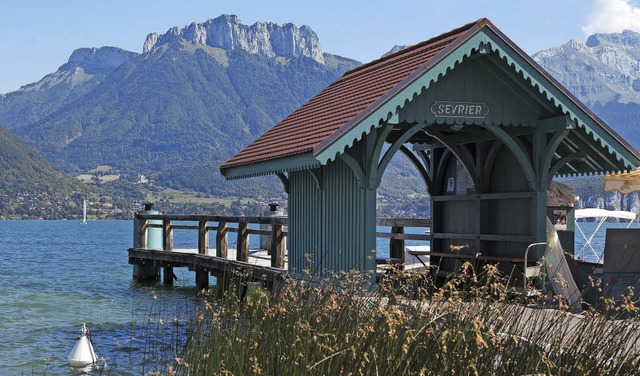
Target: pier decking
{"x": 154, "y": 250}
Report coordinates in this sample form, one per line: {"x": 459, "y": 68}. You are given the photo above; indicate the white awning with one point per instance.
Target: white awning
{"x": 600, "y": 213}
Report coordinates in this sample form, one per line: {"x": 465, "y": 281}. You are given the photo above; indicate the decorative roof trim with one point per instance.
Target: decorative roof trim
{"x": 482, "y": 37}
{"x": 391, "y": 102}
{"x": 274, "y": 166}
{"x": 556, "y": 94}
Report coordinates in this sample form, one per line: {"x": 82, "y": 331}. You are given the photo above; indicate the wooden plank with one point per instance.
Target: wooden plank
{"x": 214, "y": 218}
{"x": 484, "y": 196}
{"x": 387, "y": 261}
{"x": 203, "y": 238}
{"x": 509, "y": 238}
{"x": 449, "y": 235}
{"x": 470, "y": 256}
{"x": 185, "y": 227}
{"x": 222, "y": 240}
{"x": 404, "y": 222}
{"x": 403, "y": 236}
{"x": 243, "y": 242}
{"x": 139, "y": 256}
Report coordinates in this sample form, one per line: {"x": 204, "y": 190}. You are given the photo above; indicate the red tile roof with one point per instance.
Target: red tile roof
{"x": 359, "y": 92}
{"x": 347, "y": 100}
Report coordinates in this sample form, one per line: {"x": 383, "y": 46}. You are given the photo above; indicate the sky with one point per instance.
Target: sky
{"x": 38, "y": 36}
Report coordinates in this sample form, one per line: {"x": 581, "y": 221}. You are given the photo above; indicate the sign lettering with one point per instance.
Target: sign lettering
{"x": 473, "y": 110}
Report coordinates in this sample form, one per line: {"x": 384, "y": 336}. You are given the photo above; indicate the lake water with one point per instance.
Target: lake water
{"x": 58, "y": 274}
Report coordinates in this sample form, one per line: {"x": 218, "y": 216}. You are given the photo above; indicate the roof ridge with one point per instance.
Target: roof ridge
{"x": 480, "y": 22}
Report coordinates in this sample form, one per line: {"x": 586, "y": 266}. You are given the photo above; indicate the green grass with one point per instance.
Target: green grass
{"x": 100, "y": 169}
{"x": 181, "y": 197}
{"x": 108, "y": 178}
{"x": 85, "y": 178}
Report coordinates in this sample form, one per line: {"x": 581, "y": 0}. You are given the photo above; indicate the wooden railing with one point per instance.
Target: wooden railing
{"x": 276, "y": 243}
{"x": 225, "y": 225}
{"x": 397, "y": 236}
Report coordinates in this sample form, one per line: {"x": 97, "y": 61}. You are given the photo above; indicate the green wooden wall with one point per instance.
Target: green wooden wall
{"x": 332, "y": 219}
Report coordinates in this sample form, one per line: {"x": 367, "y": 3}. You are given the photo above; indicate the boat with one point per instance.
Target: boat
{"x": 600, "y": 216}
{"x": 82, "y": 354}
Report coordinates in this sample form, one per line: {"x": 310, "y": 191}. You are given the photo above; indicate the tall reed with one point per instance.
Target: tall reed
{"x": 405, "y": 325}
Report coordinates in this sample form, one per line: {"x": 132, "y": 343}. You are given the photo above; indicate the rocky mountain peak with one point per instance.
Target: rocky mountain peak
{"x": 394, "y": 49}
{"x": 98, "y": 59}
{"x": 627, "y": 38}
{"x": 263, "y": 38}
{"x": 604, "y": 69}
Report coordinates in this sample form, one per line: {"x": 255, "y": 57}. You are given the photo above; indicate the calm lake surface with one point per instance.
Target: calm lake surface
{"x": 59, "y": 274}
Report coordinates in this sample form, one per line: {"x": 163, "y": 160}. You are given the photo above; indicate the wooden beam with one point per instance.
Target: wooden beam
{"x": 222, "y": 240}
{"x": 396, "y": 246}
{"x": 405, "y": 222}
{"x": 203, "y": 238}
{"x": 167, "y": 235}
{"x": 277, "y": 247}
{"x": 243, "y": 242}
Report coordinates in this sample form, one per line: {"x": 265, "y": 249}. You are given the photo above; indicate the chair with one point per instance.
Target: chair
{"x": 531, "y": 271}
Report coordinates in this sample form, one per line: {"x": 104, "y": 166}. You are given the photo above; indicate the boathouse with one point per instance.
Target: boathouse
{"x": 486, "y": 127}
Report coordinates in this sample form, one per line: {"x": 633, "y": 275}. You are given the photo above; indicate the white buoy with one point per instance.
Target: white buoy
{"x": 82, "y": 353}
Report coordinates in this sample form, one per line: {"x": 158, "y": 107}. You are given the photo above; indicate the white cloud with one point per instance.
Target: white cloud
{"x": 613, "y": 16}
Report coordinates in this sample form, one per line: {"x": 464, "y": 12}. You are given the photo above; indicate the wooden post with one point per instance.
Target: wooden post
{"x": 167, "y": 246}
{"x": 222, "y": 283}
{"x": 203, "y": 238}
{"x": 396, "y": 246}
{"x": 202, "y": 278}
{"x": 167, "y": 235}
{"x": 142, "y": 237}
{"x": 277, "y": 246}
{"x": 270, "y": 241}
{"x": 146, "y": 272}
{"x": 243, "y": 242}
{"x": 168, "y": 275}
{"x": 222, "y": 240}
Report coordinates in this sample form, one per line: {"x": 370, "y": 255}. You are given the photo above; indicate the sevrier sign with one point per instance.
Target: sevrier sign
{"x": 473, "y": 110}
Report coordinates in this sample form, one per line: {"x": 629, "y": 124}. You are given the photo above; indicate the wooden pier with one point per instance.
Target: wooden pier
{"x": 154, "y": 256}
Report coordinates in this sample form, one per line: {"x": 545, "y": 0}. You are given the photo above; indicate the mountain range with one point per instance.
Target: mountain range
{"x": 604, "y": 73}
{"x": 174, "y": 113}
{"x": 196, "y": 95}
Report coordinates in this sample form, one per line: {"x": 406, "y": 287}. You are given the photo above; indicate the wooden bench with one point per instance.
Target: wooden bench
{"x": 519, "y": 261}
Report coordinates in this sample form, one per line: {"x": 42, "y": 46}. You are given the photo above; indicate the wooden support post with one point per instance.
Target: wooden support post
{"x": 142, "y": 236}
{"x": 243, "y": 242}
{"x": 167, "y": 235}
{"x": 277, "y": 246}
{"x": 202, "y": 278}
{"x": 168, "y": 275}
{"x": 222, "y": 240}
{"x": 396, "y": 246}
{"x": 167, "y": 245}
{"x": 146, "y": 272}
{"x": 203, "y": 238}
{"x": 222, "y": 283}
{"x": 270, "y": 241}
